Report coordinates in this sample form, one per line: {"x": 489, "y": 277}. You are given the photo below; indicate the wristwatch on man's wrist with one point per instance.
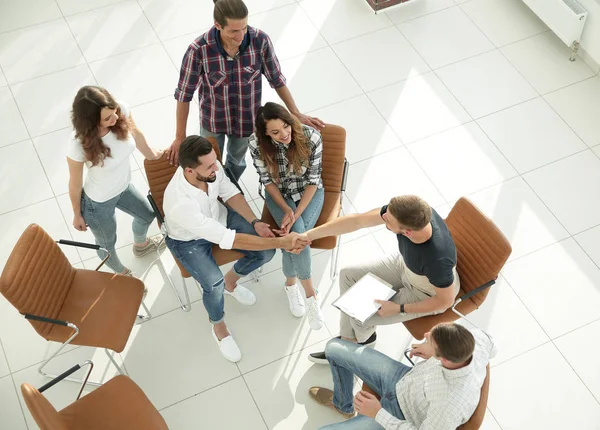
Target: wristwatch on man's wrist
{"x": 254, "y": 221}
{"x": 402, "y": 309}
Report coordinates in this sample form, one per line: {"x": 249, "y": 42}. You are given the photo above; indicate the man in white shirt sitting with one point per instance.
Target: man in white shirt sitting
{"x": 196, "y": 220}
{"x": 440, "y": 393}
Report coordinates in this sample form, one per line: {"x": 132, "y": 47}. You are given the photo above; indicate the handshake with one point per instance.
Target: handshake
{"x": 294, "y": 242}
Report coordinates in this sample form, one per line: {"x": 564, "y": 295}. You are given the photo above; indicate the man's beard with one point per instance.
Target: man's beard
{"x": 206, "y": 178}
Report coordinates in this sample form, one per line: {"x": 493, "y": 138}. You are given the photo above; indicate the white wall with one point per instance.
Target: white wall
{"x": 590, "y": 41}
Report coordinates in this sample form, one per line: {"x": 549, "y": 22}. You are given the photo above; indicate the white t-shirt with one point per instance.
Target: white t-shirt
{"x": 106, "y": 180}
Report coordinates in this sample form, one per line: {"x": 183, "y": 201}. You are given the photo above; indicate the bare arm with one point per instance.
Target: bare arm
{"x": 75, "y": 187}
{"x": 142, "y": 144}
{"x": 181, "y": 116}
{"x": 309, "y": 193}
{"x": 347, "y": 224}
{"x": 256, "y": 243}
{"x": 286, "y": 96}
{"x": 239, "y": 204}
{"x": 443, "y": 299}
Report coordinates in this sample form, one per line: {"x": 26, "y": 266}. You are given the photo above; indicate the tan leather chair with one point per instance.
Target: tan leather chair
{"x": 482, "y": 249}
{"x": 118, "y": 404}
{"x": 335, "y": 171}
{"x": 159, "y": 173}
{"x": 65, "y": 304}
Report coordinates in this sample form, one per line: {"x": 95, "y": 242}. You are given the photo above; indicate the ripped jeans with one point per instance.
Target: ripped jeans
{"x": 196, "y": 256}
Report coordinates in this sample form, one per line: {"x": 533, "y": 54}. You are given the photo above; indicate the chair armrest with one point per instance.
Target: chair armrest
{"x": 232, "y": 179}
{"x": 475, "y": 291}
{"x": 49, "y": 320}
{"x": 345, "y": 175}
{"x": 87, "y": 245}
{"x": 152, "y": 202}
{"x": 80, "y": 244}
{"x": 67, "y": 373}
{"x": 406, "y": 351}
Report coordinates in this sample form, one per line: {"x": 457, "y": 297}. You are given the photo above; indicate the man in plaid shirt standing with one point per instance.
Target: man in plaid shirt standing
{"x": 226, "y": 64}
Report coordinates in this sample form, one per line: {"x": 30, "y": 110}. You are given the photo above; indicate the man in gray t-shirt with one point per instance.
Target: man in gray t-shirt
{"x": 423, "y": 271}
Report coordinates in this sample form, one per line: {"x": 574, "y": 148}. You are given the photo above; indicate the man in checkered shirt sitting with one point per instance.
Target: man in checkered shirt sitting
{"x": 439, "y": 393}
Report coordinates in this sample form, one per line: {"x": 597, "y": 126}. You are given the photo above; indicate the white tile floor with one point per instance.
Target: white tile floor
{"x": 441, "y": 98}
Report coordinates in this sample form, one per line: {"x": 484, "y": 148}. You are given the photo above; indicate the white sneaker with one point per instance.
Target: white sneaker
{"x": 295, "y": 300}
{"x": 243, "y": 295}
{"x": 228, "y": 347}
{"x": 315, "y": 316}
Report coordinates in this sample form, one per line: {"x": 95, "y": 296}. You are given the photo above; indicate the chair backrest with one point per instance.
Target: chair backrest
{"x": 44, "y": 414}
{"x": 334, "y": 154}
{"x": 482, "y": 249}
{"x": 159, "y": 173}
{"x": 37, "y": 277}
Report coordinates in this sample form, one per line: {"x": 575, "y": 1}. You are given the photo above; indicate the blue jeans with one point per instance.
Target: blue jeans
{"x": 299, "y": 265}
{"x": 377, "y": 370}
{"x": 196, "y": 256}
{"x": 100, "y": 217}
{"x": 236, "y": 151}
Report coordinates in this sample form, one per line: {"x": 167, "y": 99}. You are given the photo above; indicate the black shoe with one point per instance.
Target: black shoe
{"x": 320, "y": 358}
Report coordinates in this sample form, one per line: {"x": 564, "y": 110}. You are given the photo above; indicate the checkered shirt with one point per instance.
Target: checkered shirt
{"x": 289, "y": 183}
{"x": 229, "y": 89}
{"x": 432, "y": 397}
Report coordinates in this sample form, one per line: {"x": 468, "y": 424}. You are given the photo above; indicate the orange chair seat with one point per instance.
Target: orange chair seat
{"x": 103, "y": 306}
{"x": 118, "y": 404}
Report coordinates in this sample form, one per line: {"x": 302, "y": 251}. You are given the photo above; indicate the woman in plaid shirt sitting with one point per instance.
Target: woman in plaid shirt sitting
{"x": 287, "y": 157}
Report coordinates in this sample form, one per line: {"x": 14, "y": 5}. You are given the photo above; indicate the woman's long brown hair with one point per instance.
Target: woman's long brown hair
{"x": 299, "y": 149}
{"x": 85, "y": 116}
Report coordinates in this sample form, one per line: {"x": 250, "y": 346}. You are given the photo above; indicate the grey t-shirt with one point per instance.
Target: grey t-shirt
{"x": 434, "y": 258}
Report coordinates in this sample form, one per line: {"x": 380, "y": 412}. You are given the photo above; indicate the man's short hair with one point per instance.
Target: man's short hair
{"x": 412, "y": 212}
{"x": 191, "y": 149}
{"x": 229, "y": 9}
{"x": 453, "y": 342}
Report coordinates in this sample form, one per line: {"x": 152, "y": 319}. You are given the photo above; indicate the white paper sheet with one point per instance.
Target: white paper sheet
{"x": 359, "y": 301}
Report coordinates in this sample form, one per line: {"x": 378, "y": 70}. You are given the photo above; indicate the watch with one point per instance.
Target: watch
{"x": 402, "y": 309}
{"x": 254, "y": 221}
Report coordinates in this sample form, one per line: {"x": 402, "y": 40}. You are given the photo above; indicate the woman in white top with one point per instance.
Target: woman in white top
{"x": 104, "y": 139}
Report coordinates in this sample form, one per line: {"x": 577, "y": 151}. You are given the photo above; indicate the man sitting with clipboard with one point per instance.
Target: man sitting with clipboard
{"x": 423, "y": 272}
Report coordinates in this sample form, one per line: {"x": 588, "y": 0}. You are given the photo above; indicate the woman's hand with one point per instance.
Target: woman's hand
{"x": 287, "y": 222}
{"x": 79, "y": 223}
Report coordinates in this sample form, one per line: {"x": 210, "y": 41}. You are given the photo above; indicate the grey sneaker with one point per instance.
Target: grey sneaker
{"x": 154, "y": 243}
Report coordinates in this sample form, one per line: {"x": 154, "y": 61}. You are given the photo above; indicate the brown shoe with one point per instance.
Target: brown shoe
{"x": 324, "y": 396}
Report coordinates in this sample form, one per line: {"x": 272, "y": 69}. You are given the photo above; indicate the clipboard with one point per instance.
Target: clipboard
{"x": 359, "y": 301}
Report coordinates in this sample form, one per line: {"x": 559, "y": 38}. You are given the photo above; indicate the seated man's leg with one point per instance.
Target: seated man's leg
{"x": 196, "y": 256}
{"x": 389, "y": 270}
{"x": 377, "y": 370}
{"x": 252, "y": 259}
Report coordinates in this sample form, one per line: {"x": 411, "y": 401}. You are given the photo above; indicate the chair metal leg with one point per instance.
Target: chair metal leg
{"x": 185, "y": 306}
{"x": 42, "y": 372}
{"x": 114, "y": 362}
{"x": 335, "y": 254}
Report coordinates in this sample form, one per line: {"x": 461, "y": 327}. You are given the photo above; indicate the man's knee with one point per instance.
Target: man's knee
{"x": 266, "y": 255}
{"x": 348, "y": 277}
{"x": 334, "y": 348}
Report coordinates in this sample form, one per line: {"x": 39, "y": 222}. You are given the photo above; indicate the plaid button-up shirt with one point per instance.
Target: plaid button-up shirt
{"x": 290, "y": 184}
{"x": 229, "y": 89}
{"x": 432, "y": 397}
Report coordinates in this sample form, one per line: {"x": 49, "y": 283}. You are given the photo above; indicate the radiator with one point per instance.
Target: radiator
{"x": 565, "y": 18}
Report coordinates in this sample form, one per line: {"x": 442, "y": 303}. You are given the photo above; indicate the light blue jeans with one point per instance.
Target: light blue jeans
{"x": 196, "y": 256}
{"x": 298, "y": 265}
{"x": 236, "y": 151}
{"x": 100, "y": 217}
{"x": 377, "y": 370}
